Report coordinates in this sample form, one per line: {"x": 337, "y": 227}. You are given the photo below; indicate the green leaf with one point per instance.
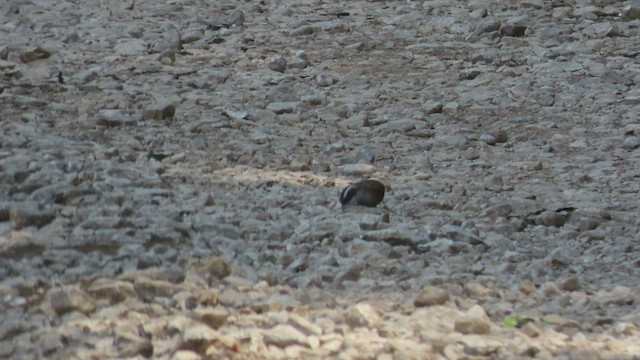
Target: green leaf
{"x": 511, "y": 321}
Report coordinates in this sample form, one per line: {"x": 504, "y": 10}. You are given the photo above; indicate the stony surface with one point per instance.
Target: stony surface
{"x": 169, "y": 174}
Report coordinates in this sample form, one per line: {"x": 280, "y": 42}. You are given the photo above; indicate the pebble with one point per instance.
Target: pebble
{"x": 488, "y": 139}
{"x": 283, "y": 335}
{"x": 277, "y": 63}
{"x": 474, "y": 322}
{"x": 430, "y": 296}
{"x": 357, "y": 169}
{"x": 159, "y": 111}
{"x": 69, "y": 298}
{"x": 33, "y": 54}
{"x": 31, "y": 214}
{"x": 362, "y": 315}
{"x": 236, "y": 234}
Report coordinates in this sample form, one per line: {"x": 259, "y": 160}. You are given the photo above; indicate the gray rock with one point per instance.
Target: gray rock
{"x": 283, "y": 107}
{"x": 362, "y": 315}
{"x": 159, "y": 111}
{"x": 631, "y": 142}
{"x": 70, "y": 298}
{"x": 488, "y": 139}
{"x": 192, "y": 35}
{"x": 283, "y": 335}
{"x": 325, "y": 80}
{"x": 475, "y": 321}
{"x": 33, "y": 54}
{"x": 112, "y": 118}
{"x": 300, "y": 60}
{"x": 560, "y": 257}
{"x": 551, "y": 218}
{"x": 277, "y": 63}
{"x": 431, "y": 295}
{"x": 488, "y": 25}
{"x": 114, "y": 291}
{"x": 357, "y": 169}
{"x": 303, "y": 30}
{"x": 31, "y": 214}
{"x": 631, "y": 12}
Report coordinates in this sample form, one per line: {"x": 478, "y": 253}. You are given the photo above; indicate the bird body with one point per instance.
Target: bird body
{"x": 366, "y": 193}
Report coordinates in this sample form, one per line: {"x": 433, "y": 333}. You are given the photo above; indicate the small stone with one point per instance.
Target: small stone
{"x": 631, "y": 12}
{"x": 560, "y": 257}
{"x": 569, "y": 284}
{"x": 300, "y": 60}
{"x": 279, "y": 107}
{"x": 432, "y": 107}
{"x": 488, "y": 25}
{"x": 494, "y": 183}
{"x": 192, "y": 35}
{"x": 213, "y": 317}
{"x": 197, "y": 337}
{"x": 362, "y": 315}
{"x": 531, "y": 330}
{"x": 283, "y": 335}
{"x": 86, "y": 76}
{"x": 588, "y": 11}
{"x": 551, "y": 218}
{"x": 131, "y": 345}
{"x": 34, "y": 54}
{"x": 30, "y": 213}
{"x": 579, "y": 144}
{"x": 304, "y": 325}
{"x": 185, "y": 300}
{"x": 501, "y": 136}
{"x": 350, "y": 274}
{"x": 478, "y": 290}
{"x": 213, "y": 268}
{"x": 358, "y": 169}
{"x": 277, "y": 63}
{"x": 159, "y": 111}
{"x": 113, "y": 290}
{"x": 631, "y": 142}
{"x": 324, "y": 80}
{"x": 301, "y": 163}
{"x": 488, "y": 139}
{"x": 237, "y": 18}
{"x": 619, "y": 296}
{"x": 475, "y": 321}
{"x": 148, "y": 289}
{"x": 303, "y": 30}
{"x": 536, "y": 166}
{"x": 431, "y": 295}
{"x": 625, "y": 328}
{"x": 185, "y": 355}
{"x": 550, "y": 290}
{"x": 70, "y": 298}
{"x": 469, "y": 74}
{"x": 113, "y": 118}
{"x": 478, "y": 13}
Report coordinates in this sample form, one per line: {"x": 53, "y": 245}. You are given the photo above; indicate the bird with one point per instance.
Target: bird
{"x": 366, "y": 193}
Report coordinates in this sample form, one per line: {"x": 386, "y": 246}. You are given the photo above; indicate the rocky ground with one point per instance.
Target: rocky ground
{"x": 169, "y": 174}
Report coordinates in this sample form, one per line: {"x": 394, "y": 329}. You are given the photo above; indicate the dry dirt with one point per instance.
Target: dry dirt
{"x": 170, "y": 170}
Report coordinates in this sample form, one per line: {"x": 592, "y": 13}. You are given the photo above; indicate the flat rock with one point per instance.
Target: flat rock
{"x": 431, "y": 295}
{"x": 362, "y": 315}
{"x": 70, "y": 298}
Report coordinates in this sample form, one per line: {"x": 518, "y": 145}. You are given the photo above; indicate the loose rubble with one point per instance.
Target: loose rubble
{"x": 169, "y": 179}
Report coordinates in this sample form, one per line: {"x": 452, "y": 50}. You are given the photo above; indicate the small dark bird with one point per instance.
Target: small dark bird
{"x": 366, "y": 193}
